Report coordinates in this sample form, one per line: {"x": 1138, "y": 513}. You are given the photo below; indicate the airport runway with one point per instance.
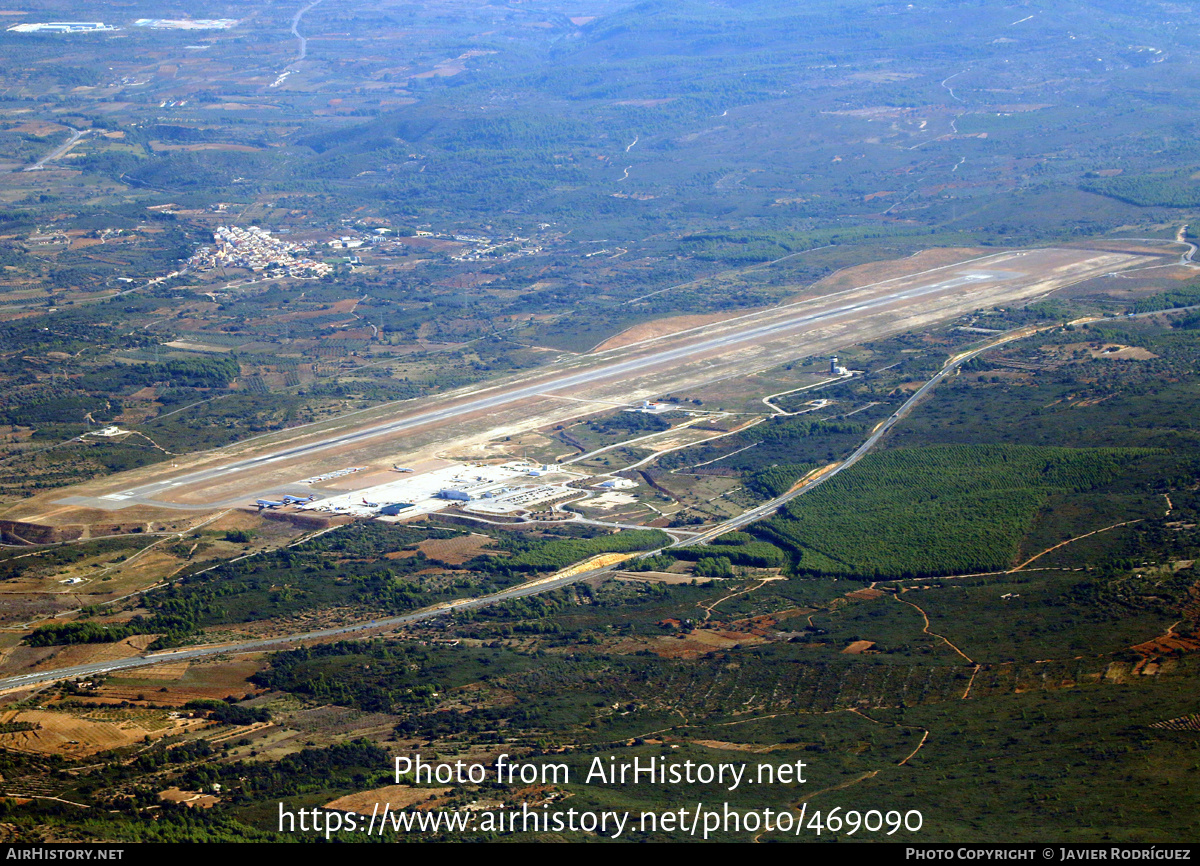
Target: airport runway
{"x": 534, "y": 587}
{"x": 981, "y": 282}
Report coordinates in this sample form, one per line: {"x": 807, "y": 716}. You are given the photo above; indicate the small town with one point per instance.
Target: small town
{"x": 258, "y": 250}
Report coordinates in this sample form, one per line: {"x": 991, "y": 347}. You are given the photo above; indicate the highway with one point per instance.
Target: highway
{"x": 358, "y": 630}
{"x": 57, "y": 152}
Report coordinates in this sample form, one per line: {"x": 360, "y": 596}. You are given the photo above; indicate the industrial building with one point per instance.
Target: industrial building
{"x": 62, "y": 27}
{"x": 485, "y": 489}
{"x": 187, "y": 23}
{"x": 650, "y": 407}
{"x": 616, "y": 484}
{"x": 395, "y": 509}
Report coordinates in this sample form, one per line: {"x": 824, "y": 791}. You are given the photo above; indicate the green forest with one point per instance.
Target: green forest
{"x": 936, "y": 510}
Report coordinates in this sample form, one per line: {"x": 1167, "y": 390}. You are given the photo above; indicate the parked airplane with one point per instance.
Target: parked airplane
{"x": 268, "y": 503}
{"x": 370, "y": 504}
{"x": 398, "y": 468}
{"x": 293, "y": 500}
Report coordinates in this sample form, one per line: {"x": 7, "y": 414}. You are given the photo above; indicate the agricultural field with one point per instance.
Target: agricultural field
{"x": 81, "y": 734}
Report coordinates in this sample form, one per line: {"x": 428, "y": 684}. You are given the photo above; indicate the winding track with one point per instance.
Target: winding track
{"x": 302, "y": 50}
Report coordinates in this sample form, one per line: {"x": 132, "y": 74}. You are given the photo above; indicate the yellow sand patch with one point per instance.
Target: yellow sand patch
{"x": 600, "y": 561}
{"x": 189, "y": 798}
{"x": 858, "y": 646}
{"x": 1117, "y": 352}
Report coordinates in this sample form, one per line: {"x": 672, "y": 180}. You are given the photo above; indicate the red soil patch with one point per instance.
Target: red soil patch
{"x": 865, "y": 594}
{"x": 455, "y": 551}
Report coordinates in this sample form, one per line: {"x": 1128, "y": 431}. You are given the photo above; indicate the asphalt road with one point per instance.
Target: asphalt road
{"x": 76, "y": 134}
{"x": 767, "y": 508}
{"x": 358, "y": 630}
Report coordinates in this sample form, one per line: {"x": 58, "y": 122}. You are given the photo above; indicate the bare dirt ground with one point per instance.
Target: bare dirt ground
{"x": 873, "y": 272}
{"x": 23, "y": 659}
{"x": 753, "y": 748}
{"x": 456, "y": 551}
{"x": 176, "y": 683}
{"x": 167, "y": 672}
{"x": 396, "y": 796}
{"x": 237, "y": 519}
{"x": 1168, "y": 644}
{"x": 658, "y": 328}
{"x": 159, "y": 146}
{"x": 609, "y": 501}
{"x": 192, "y": 799}
{"x": 660, "y": 577}
{"x": 858, "y": 647}
{"x": 702, "y": 641}
{"x": 39, "y": 128}
{"x": 1117, "y": 352}
{"x": 866, "y": 594}
{"x": 843, "y": 279}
